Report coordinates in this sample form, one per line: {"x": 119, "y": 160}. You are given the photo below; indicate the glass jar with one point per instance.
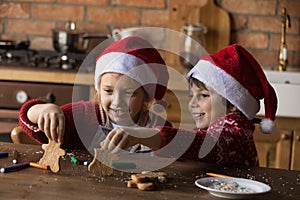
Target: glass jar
{"x": 192, "y": 44}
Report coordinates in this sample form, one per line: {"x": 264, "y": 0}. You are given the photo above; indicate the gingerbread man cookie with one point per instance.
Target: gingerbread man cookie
{"x": 51, "y": 155}
{"x": 147, "y": 180}
{"x": 102, "y": 162}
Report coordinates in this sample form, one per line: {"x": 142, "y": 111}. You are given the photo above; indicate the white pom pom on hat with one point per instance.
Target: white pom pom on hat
{"x": 267, "y": 126}
{"x": 235, "y": 74}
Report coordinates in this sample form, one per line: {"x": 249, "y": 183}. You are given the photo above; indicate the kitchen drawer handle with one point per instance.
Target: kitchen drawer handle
{"x": 21, "y": 96}
{"x": 50, "y": 98}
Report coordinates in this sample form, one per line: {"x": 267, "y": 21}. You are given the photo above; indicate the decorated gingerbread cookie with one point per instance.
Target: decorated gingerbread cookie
{"x": 51, "y": 155}
{"x": 102, "y": 162}
{"x": 147, "y": 180}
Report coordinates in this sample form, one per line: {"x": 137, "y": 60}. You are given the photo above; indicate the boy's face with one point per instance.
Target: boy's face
{"x": 122, "y": 98}
{"x": 205, "y": 106}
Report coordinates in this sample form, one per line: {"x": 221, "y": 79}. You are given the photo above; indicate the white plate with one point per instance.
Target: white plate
{"x": 255, "y": 186}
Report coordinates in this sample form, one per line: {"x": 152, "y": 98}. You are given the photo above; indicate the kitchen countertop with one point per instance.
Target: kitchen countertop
{"x": 75, "y": 182}
{"x": 177, "y": 81}
{"x": 45, "y": 75}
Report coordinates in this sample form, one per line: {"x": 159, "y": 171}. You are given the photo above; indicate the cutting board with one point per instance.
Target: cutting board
{"x": 218, "y": 24}
{"x": 205, "y": 12}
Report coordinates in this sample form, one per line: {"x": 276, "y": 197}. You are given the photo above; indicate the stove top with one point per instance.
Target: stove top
{"x": 42, "y": 59}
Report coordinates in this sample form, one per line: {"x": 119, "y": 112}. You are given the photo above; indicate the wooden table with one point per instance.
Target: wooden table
{"x": 75, "y": 182}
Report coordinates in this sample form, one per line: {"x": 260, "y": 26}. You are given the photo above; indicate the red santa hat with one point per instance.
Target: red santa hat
{"x": 236, "y": 75}
{"x": 135, "y": 57}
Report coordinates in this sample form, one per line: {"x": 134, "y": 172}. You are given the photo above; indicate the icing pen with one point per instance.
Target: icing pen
{"x": 86, "y": 163}
{"x": 123, "y": 165}
{"x": 74, "y": 160}
{"x": 218, "y": 175}
{"x": 36, "y": 165}
{"x": 3, "y": 154}
{"x": 15, "y": 167}
{"x": 15, "y": 157}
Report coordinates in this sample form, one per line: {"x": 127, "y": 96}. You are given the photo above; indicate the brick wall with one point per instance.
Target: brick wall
{"x": 255, "y": 23}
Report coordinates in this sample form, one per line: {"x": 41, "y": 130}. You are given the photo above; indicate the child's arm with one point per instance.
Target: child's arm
{"x": 228, "y": 141}
{"x": 50, "y": 119}
{"x": 37, "y": 118}
{"x": 84, "y": 125}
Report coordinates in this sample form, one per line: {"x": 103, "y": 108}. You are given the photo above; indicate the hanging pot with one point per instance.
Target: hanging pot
{"x": 70, "y": 40}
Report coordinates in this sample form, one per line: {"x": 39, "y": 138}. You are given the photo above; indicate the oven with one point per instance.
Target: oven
{"x": 14, "y": 93}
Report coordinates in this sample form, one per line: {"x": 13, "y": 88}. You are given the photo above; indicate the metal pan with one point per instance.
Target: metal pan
{"x": 71, "y": 40}
{"x": 14, "y": 44}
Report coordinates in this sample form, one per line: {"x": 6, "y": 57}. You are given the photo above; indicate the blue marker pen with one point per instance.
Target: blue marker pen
{"x": 14, "y": 167}
{"x": 3, "y": 154}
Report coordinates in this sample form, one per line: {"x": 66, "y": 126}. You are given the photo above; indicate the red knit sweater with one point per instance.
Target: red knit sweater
{"x": 229, "y": 140}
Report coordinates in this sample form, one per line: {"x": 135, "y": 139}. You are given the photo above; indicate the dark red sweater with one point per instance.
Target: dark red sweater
{"x": 229, "y": 140}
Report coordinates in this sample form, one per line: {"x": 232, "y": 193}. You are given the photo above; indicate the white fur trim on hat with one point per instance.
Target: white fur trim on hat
{"x": 227, "y": 86}
{"x": 126, "y": 64}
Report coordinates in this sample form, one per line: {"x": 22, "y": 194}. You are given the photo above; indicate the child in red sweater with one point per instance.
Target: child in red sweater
{"x": 130, "y": 75}
{"x": 226, "y": 88}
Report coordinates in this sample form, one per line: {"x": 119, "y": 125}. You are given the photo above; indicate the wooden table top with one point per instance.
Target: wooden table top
{"x": 76, "y": 182}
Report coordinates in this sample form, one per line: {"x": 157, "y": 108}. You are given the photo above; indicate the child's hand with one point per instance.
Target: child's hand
{"x": 51, "y": 120}
{"x": 118, "y": 139}
{"x": 125, "y": 137}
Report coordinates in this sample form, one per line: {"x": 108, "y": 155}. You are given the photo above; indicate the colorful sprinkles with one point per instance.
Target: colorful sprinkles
{"x": 229, "y": 187}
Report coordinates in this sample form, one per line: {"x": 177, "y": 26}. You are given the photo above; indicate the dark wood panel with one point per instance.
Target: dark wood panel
{"x": 60, "y": 93}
